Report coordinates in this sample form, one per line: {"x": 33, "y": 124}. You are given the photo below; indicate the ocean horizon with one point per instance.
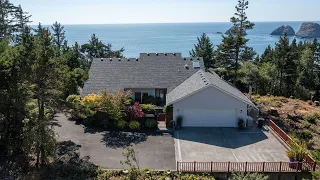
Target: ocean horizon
{"x": 171, "y": 37}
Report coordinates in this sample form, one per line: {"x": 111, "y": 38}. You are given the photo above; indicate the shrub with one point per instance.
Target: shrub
{"x": 311, "y": 118}
{"x": 179, "y": 120}
{"x": 248, "y": 176}
{"x": 121, "y": 124}
{"x": 305, "y": 125}
{"x": 315, "y": 175}
{"x": 147, "y": 108}
{"x": 151, "y": 123}
{"x": 134, "y": 125}
{"x": 316, "y": 155}
{"x": 134, "y": 112}
{"x": 241, "y": 124}
{"x": 306, "y": 135}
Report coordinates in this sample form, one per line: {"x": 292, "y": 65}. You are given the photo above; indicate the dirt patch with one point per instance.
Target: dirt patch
{"x": 293, "y": 115}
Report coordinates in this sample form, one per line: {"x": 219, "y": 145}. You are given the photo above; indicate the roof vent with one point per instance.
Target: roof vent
{"x": 101, "y": 59}
{"x": 191, "y": 59}
{"x": 186, "y": 66}
{"x": 148, "y": 54}
{"x": 119, "y": 59}
{"x": 137, "y": 59}
{"x": 128, "y": 59}
{"x": 196, "y": 64}
{"x": 165, "y": 54}
{"x": 110, "y": 59}
{"x": 157, "y": 54}
{"x": 184, "y": 58}
{"x": 198, "y": 59}
{"x": 174, "y": 54}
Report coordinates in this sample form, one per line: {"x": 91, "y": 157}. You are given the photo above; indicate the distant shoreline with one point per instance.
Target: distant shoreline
{"x": 176, "y": 23}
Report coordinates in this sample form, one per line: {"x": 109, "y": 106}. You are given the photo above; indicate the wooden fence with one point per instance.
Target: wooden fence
{"x": 287, "y": 139}
{"x": 210, "y": 167}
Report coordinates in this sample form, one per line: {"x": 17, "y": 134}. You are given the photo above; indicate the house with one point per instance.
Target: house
{"x": 202, "y": 98}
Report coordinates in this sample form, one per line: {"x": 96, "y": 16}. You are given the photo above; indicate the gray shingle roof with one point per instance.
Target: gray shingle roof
{"x": 200, "y": 80}
{"x": 162, "y": 70}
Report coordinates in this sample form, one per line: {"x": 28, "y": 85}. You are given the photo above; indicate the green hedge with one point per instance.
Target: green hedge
{"x": 151, "y": 123}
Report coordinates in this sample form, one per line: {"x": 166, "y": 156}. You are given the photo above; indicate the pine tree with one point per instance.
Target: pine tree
{"x": 7, "y": 18}
{"x": 58, "y": 35}
{"x": 204, "y": 49}
{"x": 235, "y": 42}
{"x": 97, "y": 49}
{"x": 48, "y": 77}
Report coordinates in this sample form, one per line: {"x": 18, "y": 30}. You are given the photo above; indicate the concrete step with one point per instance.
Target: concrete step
{"x": 163, "y": 128}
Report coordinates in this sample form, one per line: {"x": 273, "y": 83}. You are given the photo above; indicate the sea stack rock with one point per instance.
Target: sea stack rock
{"x": 230, "y": 30}
{"x": 284, "y": 30}
{"x": 309, "y": 30}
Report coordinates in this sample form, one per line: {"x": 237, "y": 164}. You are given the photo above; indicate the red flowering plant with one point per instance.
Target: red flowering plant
{"x": 134, "y": 112}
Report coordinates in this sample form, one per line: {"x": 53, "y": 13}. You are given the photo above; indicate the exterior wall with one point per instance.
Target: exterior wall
{"x": 150, "y": 91}
{"x": 210, "y": 98}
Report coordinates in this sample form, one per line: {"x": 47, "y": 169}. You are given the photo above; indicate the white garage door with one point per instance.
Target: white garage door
{"x": 209, "y": 118}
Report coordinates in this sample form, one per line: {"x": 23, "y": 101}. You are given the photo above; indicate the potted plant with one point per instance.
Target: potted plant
{"x": 291, "y": 155}
{"x": 301, "y": 151}
{"x": 179, "y": 120}
{"x": 241, "y": 124}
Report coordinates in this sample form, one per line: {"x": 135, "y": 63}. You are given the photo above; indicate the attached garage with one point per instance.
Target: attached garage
{"x": 209, "y": 117}
{"x": 205, "y": 100}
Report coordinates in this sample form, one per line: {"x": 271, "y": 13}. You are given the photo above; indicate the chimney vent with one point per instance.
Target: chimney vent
{"x": 101, "y": 59}
{"x": 137, "y": 59}
{"x": 110, "y": 59}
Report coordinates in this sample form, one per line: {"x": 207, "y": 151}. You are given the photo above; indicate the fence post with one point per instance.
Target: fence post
{"x": 211, "y": 166}
{"x": 263, "y": 166}
{"x": 228, "y": 166}
{"x": 194, "y": 166}
{"x": 245, "y": 169}
{"x": 280, "y": 166}
{"x": 297, "y": 165}
{"x": 314, "y": 165}
{"x": 177, "y": 166}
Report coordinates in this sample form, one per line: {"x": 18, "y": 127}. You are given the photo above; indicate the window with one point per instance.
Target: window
{"x": 137, "y": 97}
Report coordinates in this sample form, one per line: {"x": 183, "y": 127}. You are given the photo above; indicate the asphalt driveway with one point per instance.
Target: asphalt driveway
{"x": 228, "y": 144}
{"x": 154, "y": 151}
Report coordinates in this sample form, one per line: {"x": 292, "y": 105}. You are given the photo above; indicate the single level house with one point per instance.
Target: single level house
{"x": 202, "y": 98}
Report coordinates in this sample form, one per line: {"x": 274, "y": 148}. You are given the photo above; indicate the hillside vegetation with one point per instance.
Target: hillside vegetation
{"x": 300, "y": 119}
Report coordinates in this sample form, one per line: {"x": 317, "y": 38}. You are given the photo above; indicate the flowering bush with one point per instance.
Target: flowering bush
{"x": 91, "y": 99}
{"x": 110, "y": 104}
{"x": 134, "y": 112}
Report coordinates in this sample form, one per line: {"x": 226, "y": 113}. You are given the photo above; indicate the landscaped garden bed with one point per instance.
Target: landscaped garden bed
{"x": 112, "y": 111}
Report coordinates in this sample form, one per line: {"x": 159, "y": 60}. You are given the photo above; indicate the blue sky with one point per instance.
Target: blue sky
{"x": 164, "y": 11}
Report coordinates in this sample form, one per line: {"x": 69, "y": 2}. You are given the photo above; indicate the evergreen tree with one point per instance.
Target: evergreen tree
{"x": 48, "y": 73}
{"x": 235, "y": 42}
{"x": 267, "y": 55}
{"x": 97, "y": 49}
{"x": 14, "y": 95}
{"x": 58, "y": 35}
{"x": 204, "y": 49}
{"x": 284, "y": 61}
{"x": 248, "y": 54}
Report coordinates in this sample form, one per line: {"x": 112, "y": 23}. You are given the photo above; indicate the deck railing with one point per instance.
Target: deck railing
{"x": 210, "y": 167}
{"x": 287, "y": 139}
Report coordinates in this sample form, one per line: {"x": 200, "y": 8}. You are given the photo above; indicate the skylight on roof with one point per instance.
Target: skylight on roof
{"x": 196, "y": 64}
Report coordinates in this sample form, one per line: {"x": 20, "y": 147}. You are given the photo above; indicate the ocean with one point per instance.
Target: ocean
{"x": 170, "y": 37}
